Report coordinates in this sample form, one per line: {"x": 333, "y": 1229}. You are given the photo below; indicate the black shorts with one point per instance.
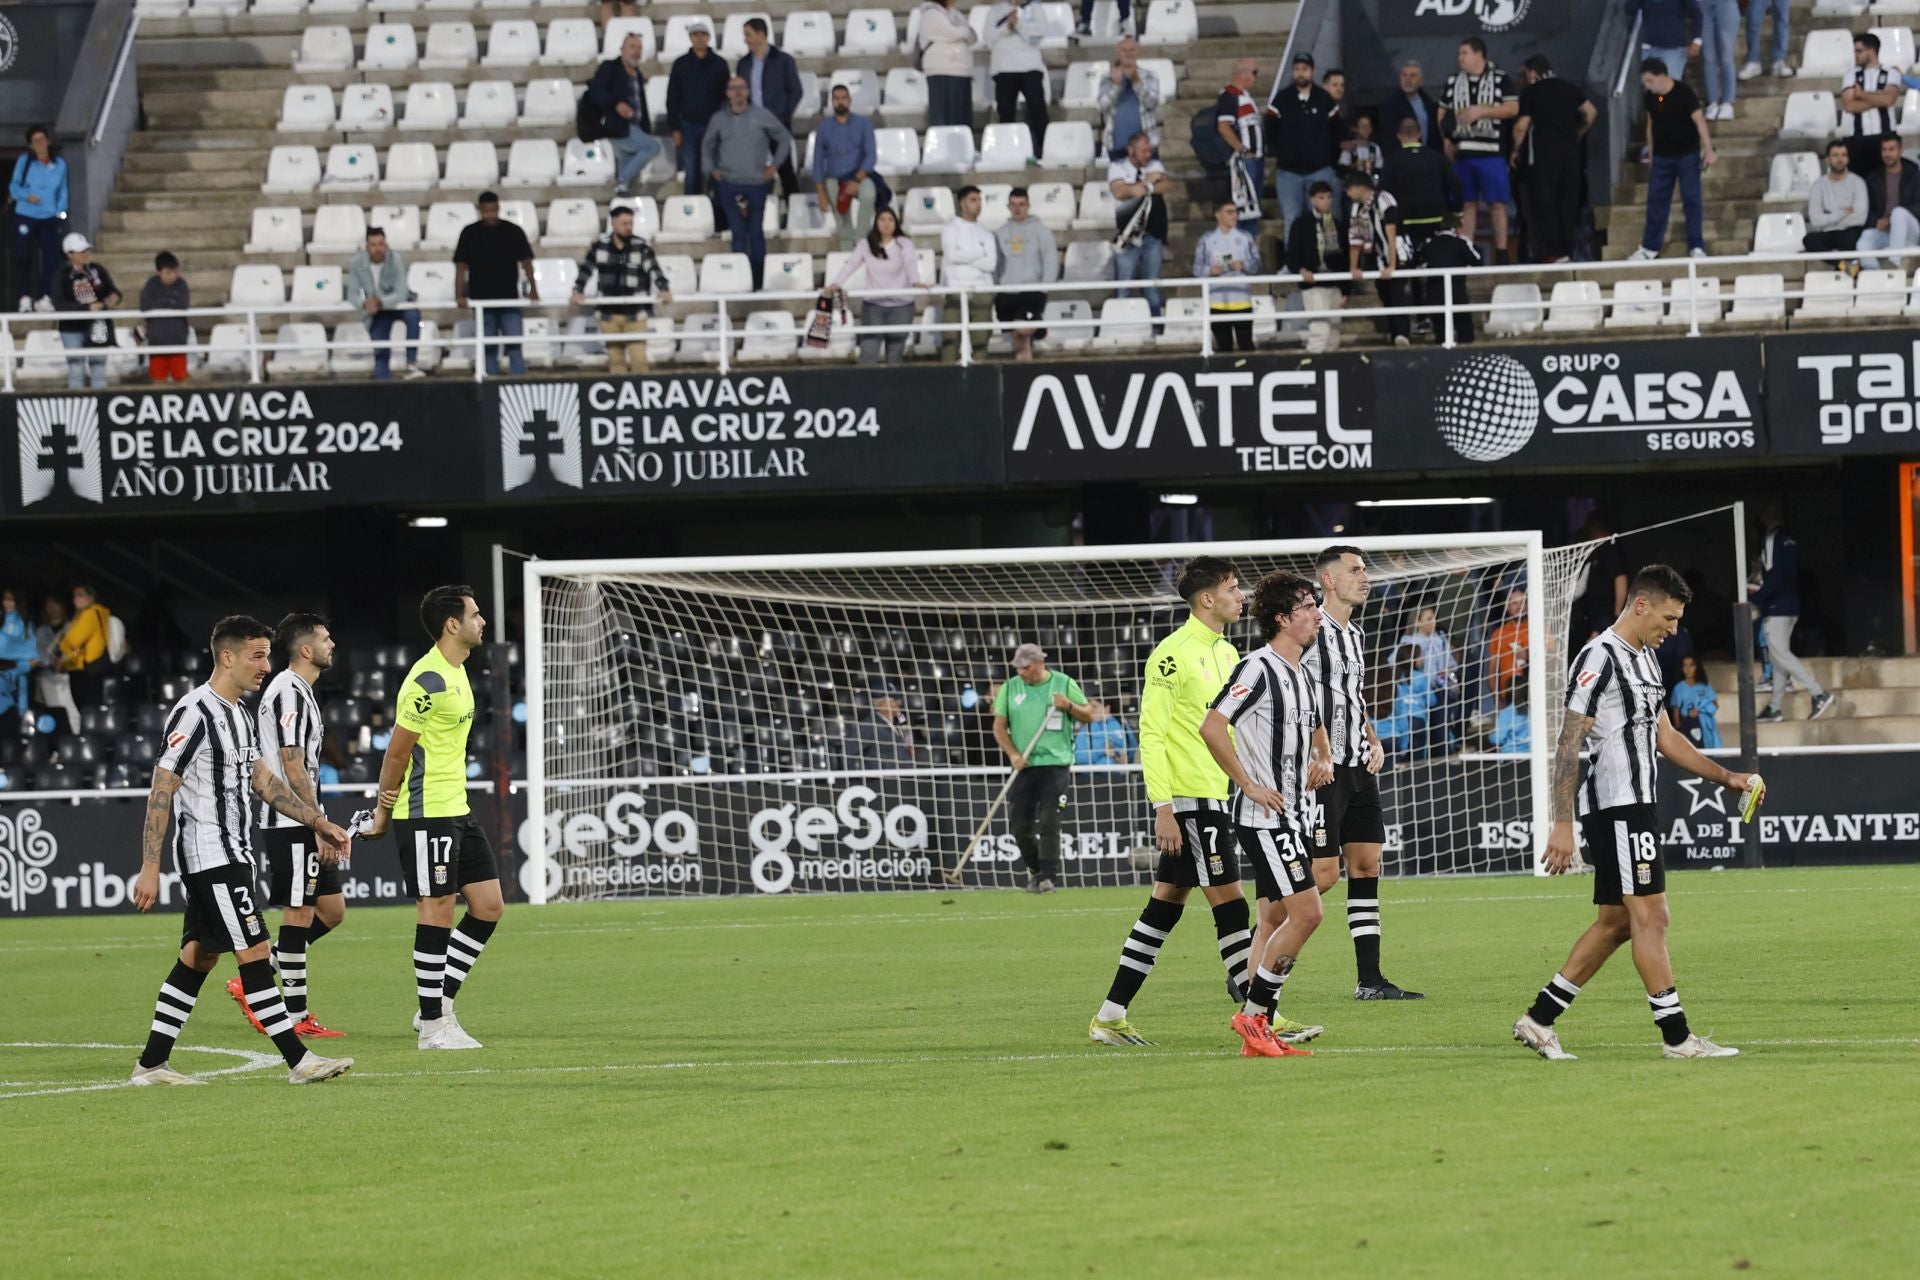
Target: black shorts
{"x": 222, "y": 914}
{"x": 1349, "y": 812}
{"x": 295, "y": 874}
{"x": 441, "y": 855}
{"x": 1279, "y": 859}
{"x": 1026, "y": 307}
{"x": 1207, "y": 856}
{"x": 1623, "y": 848}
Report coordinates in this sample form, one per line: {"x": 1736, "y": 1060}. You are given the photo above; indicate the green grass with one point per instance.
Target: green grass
{"x": 900, "y": 1085}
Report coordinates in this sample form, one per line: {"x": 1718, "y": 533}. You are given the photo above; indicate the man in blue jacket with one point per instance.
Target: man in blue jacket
{"x": 773, "y": 83}
{"x": 1664, "y": 31}
{"x": 619, "y": 92}
{"x": 696, "y": 88}
{"x": 1777, "y": 597}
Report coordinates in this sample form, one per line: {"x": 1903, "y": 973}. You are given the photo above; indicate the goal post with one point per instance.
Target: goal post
{"x": 785, "y": 723}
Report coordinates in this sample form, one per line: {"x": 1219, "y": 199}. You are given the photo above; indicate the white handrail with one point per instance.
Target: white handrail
{"x": 1627, "y": 61}
{"x": 113, "y": 86}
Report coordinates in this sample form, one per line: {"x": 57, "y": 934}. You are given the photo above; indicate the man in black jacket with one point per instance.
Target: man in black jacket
{"x": 1412, "y": 102}
{"x": 1301, "y": 126}
{"x": 696, "y": 88}
{"x": 773, "y": 82}
{"x": 619, "y": 92}
{"x": 1316, "y": 242}
{"x": 1452, "y": 249}
{"x": 1893, "y": 204}
{"x": 1424, "y": 190}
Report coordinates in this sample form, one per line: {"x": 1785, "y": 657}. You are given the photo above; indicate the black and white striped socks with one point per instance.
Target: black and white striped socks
{"x": 290, "y": 958}
{"x": 1669, "y": 1016}
{"x": 463, "y": 950}
{"x": 263, "y": 997}
{"x": 1138, "y": 953}
{"x": 1553, "y": 1000}
{"x": 1263, "y": 996}
{"x": 1363, "y": 923}
{"x": 178, "y": 995}
{"x": 1231, "y": 923}
{"x": 430, "y": 967}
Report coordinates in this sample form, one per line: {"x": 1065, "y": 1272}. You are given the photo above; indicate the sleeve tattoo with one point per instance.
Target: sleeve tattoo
{"x": 282, "y": 798}
{"x": 1566, "y": 764}
{"x": 159, "y": 813}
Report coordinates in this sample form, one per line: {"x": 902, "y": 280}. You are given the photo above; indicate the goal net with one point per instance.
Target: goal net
{"x": 782, "y": 724}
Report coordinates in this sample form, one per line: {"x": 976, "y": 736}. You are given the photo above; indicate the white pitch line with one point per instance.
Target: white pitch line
{"x": 251, "y": 1061}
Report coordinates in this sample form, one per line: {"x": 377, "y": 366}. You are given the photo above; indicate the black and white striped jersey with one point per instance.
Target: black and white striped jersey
{"x": 1269, "y": 702}
{"x": 289, "y": 716}
{"x": 212, "y": 744}
{"x": 1488, "y": 89}
{"x": 1874, "y": 121}
{"x": 1620, "y": 687}
{"x": 1336, "y": 666}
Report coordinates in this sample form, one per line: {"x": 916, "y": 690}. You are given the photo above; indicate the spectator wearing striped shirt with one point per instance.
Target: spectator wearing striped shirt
{"x": 1868, "y": 95}
{"x": 628, "y": 271}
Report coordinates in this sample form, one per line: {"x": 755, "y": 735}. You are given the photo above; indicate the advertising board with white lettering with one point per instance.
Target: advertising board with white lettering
{"x": 1457, "y": 19}
{"x": 1294, "y": 417}
{"x": 238, "y": 449}
{"x": 1573, "y": 405}
{"x": 1840, "y": 393}
{"x": 774, "y": 432}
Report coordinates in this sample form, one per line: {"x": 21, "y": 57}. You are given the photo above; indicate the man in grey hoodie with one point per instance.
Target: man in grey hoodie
{"x": 377, "y": 284}
{"x": 1836, "y": 205}
{"x": 744, "y": 148}
{"x": 1027, "y": 256}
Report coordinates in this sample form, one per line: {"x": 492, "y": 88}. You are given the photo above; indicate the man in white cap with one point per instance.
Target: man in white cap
{"x": 82, "y": 286}
{"x": 1031, "y": 716}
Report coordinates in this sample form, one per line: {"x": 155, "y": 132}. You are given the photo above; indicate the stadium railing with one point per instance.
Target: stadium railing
{"x": 1442, "y": 306}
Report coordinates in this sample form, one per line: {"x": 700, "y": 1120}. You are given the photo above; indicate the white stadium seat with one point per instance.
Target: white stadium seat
{"x": 347, "y": 7}
{"x": 1519, "y": 310}
{"x": 808, "y": 33}
{"x": 1098, "y": 208}
{"x": 947, "y": 149}
{"x": 1778, "y": 233}
{"x": 1827, "y": 55}
{"x": 646, "y": 215}
{"x": 43, "y": 359}
{"x": 1698, "y": 297}
{"x": 554, "y": 277}
{"x": 445, "y": 220}
{"x": 805, "y": 218}
{"x": 1069, "y": 145}
{"x": 548, "y": 102}
{"x": 1809, "y": 114}
{"x": 870, "y": 33}
{"x": 472, "y": 166}
{"x": 366, "y": 108}
{"x": 1839, "y": 8}
{"x": 226, "y": 347}
{"x": 431, "y": 283}
{"x": 218, "y": 8}
{"x": 257, "y": 286}
{"x": 533, "y": 162}
{"x": 926, "y": 210}
{"x": 617, "y": 31}
{"x": 151, "y": 9}
{"x": 513, "y": 43}
{"x": 1879, "y": 294}
{"x": 1790, "y": 177}
{"x": 292, "y": 171}
{"x": 683, "y": 276}
{"x": 307, "y": 108}
{"x": 1829, "y": 296}
{"x": 1575, "y": 307}
{"x": 1069, "y": 324}
{"x": 898, "y": 151}
{"x": 1059, "y": 18}
{"x": 571, "y": 42}
{"x": 811, "y": 97}
{"x": 352, "y": 348}
{"x": 324, "y": 49}
{"x": 316, "y": 287}
{"x": 300, "y": 348}
{"x": 1184, "y": 320}
{"x": 788, "y": 273}
{"x": 1167, "y": 80}
{"x": 411, "y": 166}
{"x": 903, "y": 95}
{"x": 275, "y": 229}
{"x": 1124, "y": 323}
{"x": 276, "y": 8}
{"x": 1082, "y": 87}
{"x": 430, "y": 106}
{"x": 1053, "y": 204}
{"x": 338, "y": 228}
{"x": 1005, "y": 148}
{"x": 700, "y": 340}
{"x": 686, "y": 220}
{"x": 1757, "y": 297}
{"x": 451, "y": 46}
{"x": 1636, "y": 304}
{"x": 994, "y": 196}
{"x": 390, "y": 47}
{"x": 351, "y": 166}
{"x": 1913, "y": 299}
{"x": 1171, "y": 22}
{"x": 1087, "y": 260}
{"x": 490, "y": 105}
{"x": 576, "y": 221}
{"x": 1896, "y": 47}
{"x": 401, "y": 222}
{"x": 586, "y": 164}
{"x": 771, "y": 336}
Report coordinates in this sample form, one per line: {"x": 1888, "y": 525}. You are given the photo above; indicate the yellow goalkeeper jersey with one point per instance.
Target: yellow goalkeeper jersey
{"x": 1183, "y": 676}
{"x": 436, "y": 702}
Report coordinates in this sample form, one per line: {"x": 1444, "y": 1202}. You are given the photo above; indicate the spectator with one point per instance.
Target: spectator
{"x": 844, "y": 161}
{"x": 1405, "y": 731}
{"x": 1140, "y": 185}
{"x": 696, "y": 88}
{"x": 1316, "y": 243}
{"x": 627, "y": 269}
{"x": 1507, "y": 648}
{"x": 1837, "y": 205}
{"x": 81, "y": 286}
{"x": 1695, "y": 705}
{"x": 971, "y": 255}
{"x": 1513, "y": 728}
{"x": 485, "y": 259}
{"x": 1682, "y": 148}
{"x": 1867, "y": 99}
{"x": 1436, "y": 651}
{"x": 1547, "y": 149}
{"x": 1412, "y": 102}
{"x": 1757, "y": 11}
{"x": 1129, "y": 101}
{"x": 1028, "y": 255}
{"x": 610, "y": 9}
{"x": 1777, "y": 598}
{"x": 1083, "y": 25}
{"x": 1719, "y": 32}
{"x": 881, "y": 739}
{"x": 1302, "y": 145}
{"x": 1108, "y": 741}
{"x": 83, "y": 647}
{"x": 1360, "y": 153}
{"x": 743, "y": 150}
{"x": 1478, "y": 99}
{"x": 377, "y": 284}
{"x": 1663, "y": 30}
{"x": 890, "y": 262}
{"x": 1425, "y": 189}
{"x": 1227, "y": 256}
{"x": 946, "y": 43}
{"x": 1893, "y": 204}
{"x": 1601, "y": 593}
{"x": 54, "y": 687}
{"x": 1335, "y": 83}
{"x": 1239, "y": 121}
{"x": 773, "y": 84}
{"x": 166, "y": 291}
{"x": 1374, "y": 242}
{"x": 618, "y": 91}
{"x": 19, "y": 655}
{"x": 39, "y": 190}
{"x": 1452, "y": 250}
{"x": 1015, "y": 29}
{"x": 1671, "y": 651}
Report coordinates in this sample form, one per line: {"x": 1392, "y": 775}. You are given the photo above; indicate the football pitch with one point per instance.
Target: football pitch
{"x": 901, "y": 1085}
